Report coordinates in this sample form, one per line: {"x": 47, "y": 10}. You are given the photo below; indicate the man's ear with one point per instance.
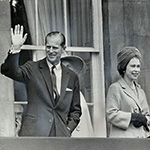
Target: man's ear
{"x": 64, "y": 54}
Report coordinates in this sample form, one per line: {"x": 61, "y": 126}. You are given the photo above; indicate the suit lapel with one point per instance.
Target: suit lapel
{"x": 127, "y": 90}
{"x": 43, "y": 67}
{"x": 64, "y": 82}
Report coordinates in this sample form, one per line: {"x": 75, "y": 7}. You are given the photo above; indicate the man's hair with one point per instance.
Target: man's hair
{"x": 56, "y": 33}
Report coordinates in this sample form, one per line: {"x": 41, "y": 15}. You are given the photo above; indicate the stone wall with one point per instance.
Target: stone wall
{"x": 6, "y": 85}
{"x": 126, "y": 23}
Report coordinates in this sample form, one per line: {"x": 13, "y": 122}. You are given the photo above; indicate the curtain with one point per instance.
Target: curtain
{"x": 80, "y": 22}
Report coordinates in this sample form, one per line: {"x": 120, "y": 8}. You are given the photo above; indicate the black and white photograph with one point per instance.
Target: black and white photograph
{"x": 74, "y": 74}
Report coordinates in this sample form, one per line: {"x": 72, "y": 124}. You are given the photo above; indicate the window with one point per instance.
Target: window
{"x": 80, "y": 21}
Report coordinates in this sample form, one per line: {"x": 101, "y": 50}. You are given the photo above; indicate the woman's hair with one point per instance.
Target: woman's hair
{"x": 124, "y": 56}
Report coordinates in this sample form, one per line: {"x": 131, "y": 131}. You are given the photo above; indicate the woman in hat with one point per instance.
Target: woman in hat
{"x": 127, "y": 109}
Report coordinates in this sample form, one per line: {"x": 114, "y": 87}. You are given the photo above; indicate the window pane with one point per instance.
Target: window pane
{"x": 80, "y": 23}
{"x": 50, "y": 17}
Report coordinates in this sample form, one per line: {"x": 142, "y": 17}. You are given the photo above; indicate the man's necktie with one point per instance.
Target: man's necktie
{"x": 55, "y": 91}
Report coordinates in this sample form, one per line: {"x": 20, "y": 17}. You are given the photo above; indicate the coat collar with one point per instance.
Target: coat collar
{"x": 129, "y": 92}
{"x": 43, "y": 67}
{"x": 124, "y": 84}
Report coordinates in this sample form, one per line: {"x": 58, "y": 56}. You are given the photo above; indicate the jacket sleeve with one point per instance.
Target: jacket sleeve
{"x": 11, "y": 68}
{"x": 145, "y": 107}
{"x": 75, "y": 109}
{"x": 115, "y": 115}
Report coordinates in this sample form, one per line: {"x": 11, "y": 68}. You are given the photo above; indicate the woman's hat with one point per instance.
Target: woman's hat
{"x": 125, "y": 55}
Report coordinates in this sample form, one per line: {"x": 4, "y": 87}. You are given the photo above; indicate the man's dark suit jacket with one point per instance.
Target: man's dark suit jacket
{"x": 43, "y": 114}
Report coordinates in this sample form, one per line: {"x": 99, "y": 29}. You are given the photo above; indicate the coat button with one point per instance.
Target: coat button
{"x": 50, "y": 120}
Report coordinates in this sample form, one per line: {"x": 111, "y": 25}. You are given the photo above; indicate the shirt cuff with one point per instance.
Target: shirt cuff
{"x": 14, "y": 51}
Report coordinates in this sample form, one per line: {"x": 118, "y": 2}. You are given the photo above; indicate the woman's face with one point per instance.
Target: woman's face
{"x": 133, "y": 69}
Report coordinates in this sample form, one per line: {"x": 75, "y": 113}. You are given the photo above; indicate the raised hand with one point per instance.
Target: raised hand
{"x": 17, "y": 36}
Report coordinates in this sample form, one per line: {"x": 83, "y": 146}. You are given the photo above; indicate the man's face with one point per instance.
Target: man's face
{"x": 53, "y": 49}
